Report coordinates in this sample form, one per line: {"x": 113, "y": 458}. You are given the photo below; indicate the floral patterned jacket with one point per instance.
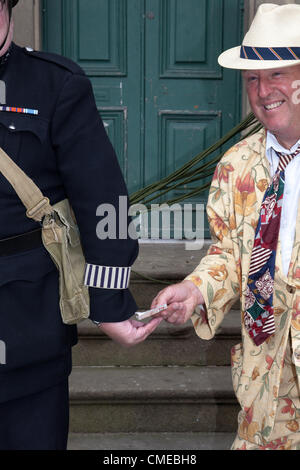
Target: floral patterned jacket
{"x": 236, "y": 194}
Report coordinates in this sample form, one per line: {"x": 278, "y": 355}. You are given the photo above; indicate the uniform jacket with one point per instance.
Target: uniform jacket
{"x": 64, "y": 148}
{"x": 236, "y": 194}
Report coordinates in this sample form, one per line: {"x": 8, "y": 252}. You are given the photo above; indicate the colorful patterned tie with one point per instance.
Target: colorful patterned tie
{"x": 259, "y": 311}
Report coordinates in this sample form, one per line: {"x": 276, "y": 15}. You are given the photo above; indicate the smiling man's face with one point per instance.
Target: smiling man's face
{"x": 272, "y": 98}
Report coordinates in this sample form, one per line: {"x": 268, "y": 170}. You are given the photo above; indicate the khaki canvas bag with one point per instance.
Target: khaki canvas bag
{"x": 60, "y": 236}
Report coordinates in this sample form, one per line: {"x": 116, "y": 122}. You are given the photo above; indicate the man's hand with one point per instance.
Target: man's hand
{"x": 130, "y": 332}
{"x": 181, "y": 299}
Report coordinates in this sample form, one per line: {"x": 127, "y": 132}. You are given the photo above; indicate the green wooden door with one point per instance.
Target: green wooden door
{"x": 153, "y": 66}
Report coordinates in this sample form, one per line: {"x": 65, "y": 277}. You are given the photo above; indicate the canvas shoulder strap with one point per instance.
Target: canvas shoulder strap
{"x": 37, "y": 206}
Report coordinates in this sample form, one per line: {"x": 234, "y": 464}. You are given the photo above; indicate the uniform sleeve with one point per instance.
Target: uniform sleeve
{"x": 95, "y": 187}
{"x": 218, "y": 274}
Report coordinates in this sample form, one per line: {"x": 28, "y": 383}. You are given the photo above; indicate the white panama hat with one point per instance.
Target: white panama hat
{"x": 272, "y": 41}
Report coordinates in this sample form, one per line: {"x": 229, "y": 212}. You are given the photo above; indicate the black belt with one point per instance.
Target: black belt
{"x": 19, "y": 243}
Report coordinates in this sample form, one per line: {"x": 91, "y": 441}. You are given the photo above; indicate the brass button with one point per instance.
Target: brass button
{"x": 291, "y": 289}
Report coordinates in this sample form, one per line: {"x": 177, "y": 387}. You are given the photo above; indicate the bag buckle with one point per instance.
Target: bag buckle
{"x": 34, "y": 210}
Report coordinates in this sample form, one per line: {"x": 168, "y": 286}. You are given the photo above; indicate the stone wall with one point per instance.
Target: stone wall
{"x": 27, "y": 28}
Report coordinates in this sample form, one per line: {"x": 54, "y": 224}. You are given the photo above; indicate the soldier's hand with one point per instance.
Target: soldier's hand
{"x": 181, "y": 300}
{"x": 130, "y": 332}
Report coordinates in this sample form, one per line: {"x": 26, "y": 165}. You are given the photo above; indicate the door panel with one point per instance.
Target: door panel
{"x": 97, "y": 36}
{"x": 189, "y": 40}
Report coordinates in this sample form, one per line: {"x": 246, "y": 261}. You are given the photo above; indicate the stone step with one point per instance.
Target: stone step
{"x": 167, "y": 260}
{"x": 149, "y": 441}
{"x": 163, "y": 262}
{"x": 144, "y": 292}
{"x": 167, "y": 345}
{"x": 152, "y": 399}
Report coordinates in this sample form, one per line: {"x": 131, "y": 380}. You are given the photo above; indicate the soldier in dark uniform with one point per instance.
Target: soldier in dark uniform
{"x": 50, "y": 126}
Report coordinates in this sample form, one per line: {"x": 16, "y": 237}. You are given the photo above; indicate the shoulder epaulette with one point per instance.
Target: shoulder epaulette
{"x": 55, "y": 59}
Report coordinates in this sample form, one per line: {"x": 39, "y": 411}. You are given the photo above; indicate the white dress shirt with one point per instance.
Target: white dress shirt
{"x": 290, "y": 196}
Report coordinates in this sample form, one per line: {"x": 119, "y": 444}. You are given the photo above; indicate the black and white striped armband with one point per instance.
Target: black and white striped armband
{"x": 107, "y": 277}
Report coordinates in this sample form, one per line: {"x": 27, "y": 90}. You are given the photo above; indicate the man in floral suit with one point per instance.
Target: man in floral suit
{"x": 255, "y": 227}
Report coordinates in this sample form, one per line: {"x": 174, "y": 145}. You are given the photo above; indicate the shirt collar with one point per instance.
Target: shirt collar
{"x": 272, "y": 142}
